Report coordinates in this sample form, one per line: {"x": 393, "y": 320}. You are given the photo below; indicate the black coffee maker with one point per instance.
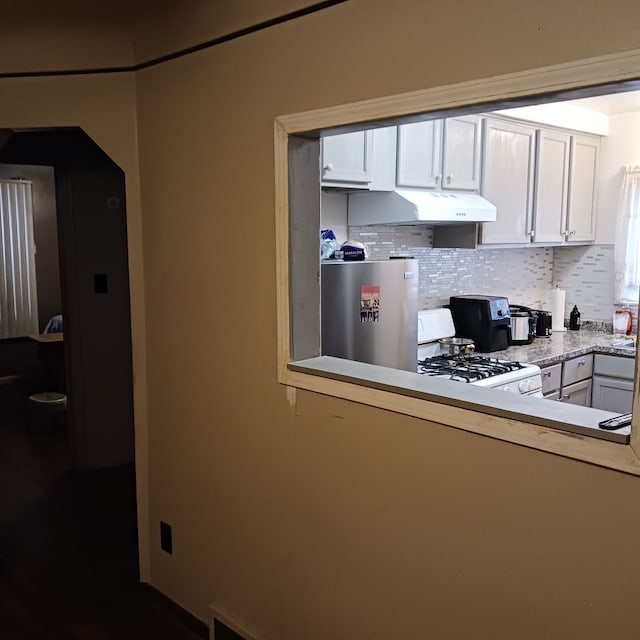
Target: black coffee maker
{"x": 543, "y": 324}
{"x": 484, "y": 319}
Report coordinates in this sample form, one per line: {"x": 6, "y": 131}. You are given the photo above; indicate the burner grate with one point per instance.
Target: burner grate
{"x": 466, "y": 368}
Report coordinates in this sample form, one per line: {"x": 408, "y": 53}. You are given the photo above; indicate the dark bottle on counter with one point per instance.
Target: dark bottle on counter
{"x": 574, "y": 319}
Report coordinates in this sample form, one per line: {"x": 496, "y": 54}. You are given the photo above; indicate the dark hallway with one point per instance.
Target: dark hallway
{"x": 69, "y": 543}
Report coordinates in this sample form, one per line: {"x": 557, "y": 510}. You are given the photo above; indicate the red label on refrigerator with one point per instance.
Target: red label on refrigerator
{"x": 369, "y": 303}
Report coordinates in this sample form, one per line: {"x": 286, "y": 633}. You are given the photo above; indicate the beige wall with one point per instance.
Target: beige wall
{"x": 328, "y": 519}
{"x": 322, "y": 518}
{"x": 194, "y": 22}
{"x": 30, "y": 44}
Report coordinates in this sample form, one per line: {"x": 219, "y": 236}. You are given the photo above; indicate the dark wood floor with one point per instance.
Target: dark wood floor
{"x": 69, "y": 568}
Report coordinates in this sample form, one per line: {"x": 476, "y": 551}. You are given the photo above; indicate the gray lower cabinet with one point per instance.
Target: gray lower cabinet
{"x": 569, "y": 381}
{"x": 551, "y": 381}
{"x": 602, "y": 381}
{"x": 578, "y": 393}
{"x": 577, "y": 369}
{"x": 576, "y": 380}
{"x": 612, "y": 394}
{"x": 613, "y": 383}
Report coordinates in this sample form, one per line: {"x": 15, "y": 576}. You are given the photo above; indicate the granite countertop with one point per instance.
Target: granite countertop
{"x": 563, "y": 345}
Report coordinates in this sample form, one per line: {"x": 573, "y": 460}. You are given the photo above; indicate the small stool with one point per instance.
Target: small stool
{"x": 43, "y": 409}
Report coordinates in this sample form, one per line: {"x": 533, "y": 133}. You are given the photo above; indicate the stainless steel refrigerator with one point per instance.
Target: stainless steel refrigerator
{"x": 369, "y": 311}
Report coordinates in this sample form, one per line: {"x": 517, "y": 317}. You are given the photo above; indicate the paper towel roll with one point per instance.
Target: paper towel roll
{"x": 557, "y": 309}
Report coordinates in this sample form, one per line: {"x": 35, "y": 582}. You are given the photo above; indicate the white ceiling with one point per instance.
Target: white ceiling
{"x": 611, "y": 104}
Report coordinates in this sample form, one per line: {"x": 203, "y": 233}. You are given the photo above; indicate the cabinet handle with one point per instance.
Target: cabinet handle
{"x": 532, "y": 233}
{"x": 582, "y": 363}
{"x": 546, "y": 374}
{"x": 438, "y": 178}
{"x": 450, "y": 178}
{"x": 572, "y": 233}
{"x": 566, "y": 396}
{"x": 328, "y": 167}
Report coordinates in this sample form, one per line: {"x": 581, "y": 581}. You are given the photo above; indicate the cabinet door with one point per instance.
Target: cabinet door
{"x": 420, "y": 154}
{"x": 507, "y": 180}
{"x": 461, "y": 155}
{"x": 578, "y": 368}
{"x": 346, "y": 159}
{"x": 578, "y": 393}
{"x": 614, "y": 366}
{"x": 583, "y": 176}
{"x": 612, "y": 394}
{"x": 552, "y": 176}
{"x": 551, "y": 378}
{"x": 383, "y": 159}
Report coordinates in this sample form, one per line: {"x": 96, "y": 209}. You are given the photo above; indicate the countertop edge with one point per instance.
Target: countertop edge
{"x": 582, "y": 421}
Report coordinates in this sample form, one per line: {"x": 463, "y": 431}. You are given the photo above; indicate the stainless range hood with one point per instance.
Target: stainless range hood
{"x": 418, "y": 206}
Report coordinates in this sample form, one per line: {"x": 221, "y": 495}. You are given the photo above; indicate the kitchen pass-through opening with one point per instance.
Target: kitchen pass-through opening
{"x": 385, "y": 385}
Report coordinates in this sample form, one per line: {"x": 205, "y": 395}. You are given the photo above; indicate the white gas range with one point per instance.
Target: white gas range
{"x": 478, "y": 369}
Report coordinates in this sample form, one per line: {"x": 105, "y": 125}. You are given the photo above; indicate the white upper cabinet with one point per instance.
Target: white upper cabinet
{"x": 360, "y": 160}
{"x": 461, "y": 153}
{"x": 420, "y": 154}
{"x": 346, "y": 159}
{"x": 542, "y": 181}
{"x": 583, "y": 177}
{"x": 440, "y": 154}
{"x": 507, "y": 181}
{"x": 551, "y": 187}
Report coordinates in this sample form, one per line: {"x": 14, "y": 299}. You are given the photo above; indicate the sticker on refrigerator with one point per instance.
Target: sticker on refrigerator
{"x": 369, "y": 303}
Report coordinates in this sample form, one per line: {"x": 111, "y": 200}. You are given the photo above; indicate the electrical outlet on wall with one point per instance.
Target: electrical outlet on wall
{"x": 166, "y": 538}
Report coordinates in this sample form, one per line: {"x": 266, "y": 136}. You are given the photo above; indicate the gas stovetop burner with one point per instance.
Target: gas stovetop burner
{"x": 466, "y": 368}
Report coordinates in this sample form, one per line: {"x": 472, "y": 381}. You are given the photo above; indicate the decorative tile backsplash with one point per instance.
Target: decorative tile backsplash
{"x": 525, "y": 276}
{"x": 586, "y": 273}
